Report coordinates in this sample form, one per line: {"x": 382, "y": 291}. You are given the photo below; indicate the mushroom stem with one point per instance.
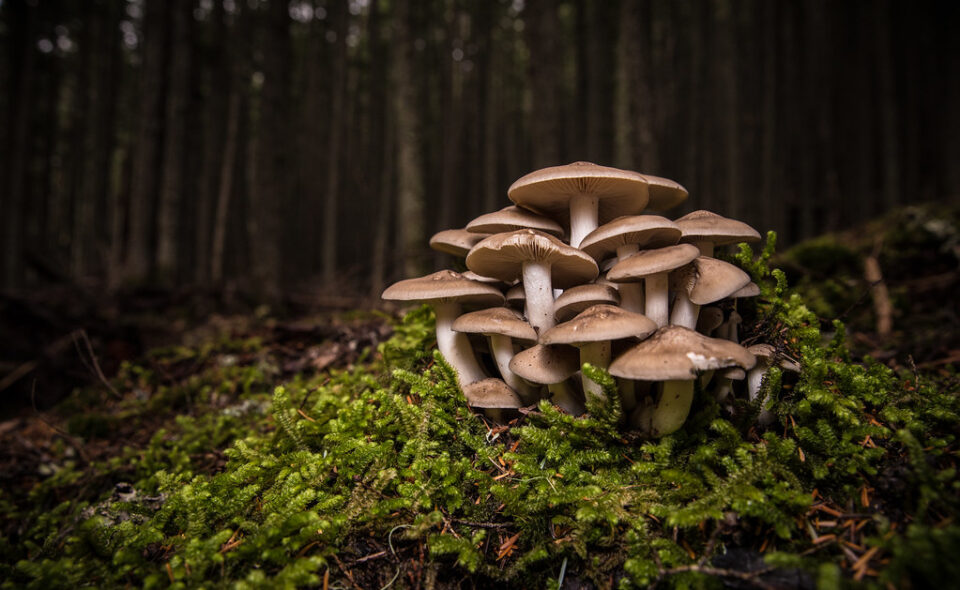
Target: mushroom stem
{"x": 685, "y": 312}
{"x": 673, "y": 407}
{"x": 631, "y": 294}
{"x": 598, "y": 355}
{"x": 755, "y": 377}
{"x": 657, "y": 306}
{"x": 584, "y": 217}
{"x": 502, "y": 348}
{"x": 455, "y": 346}
{"x": 706, "y": 248}
{"x": 562, "y": 395}
{"x": 538, "y": 289}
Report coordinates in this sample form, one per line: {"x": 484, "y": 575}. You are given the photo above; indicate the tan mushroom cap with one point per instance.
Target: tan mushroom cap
{"x": 502, "y": 256}
{"x": 600, "y": 323}
{"x": 512, "y": 218}
{"x": 664, "y": 193}
{"x": 549, "y": 190}
{"x": 750, "y": 290}
{"x": 734, "y": 373}
{"x": 709, "y": 319}
{"x": 491, "y": 393}
{"x": 455, "y": 241}
{"x": 768, "y": 353}
{"x": 650, "y": 262}
{"x": 646, "y": 231}
{"x": 676, "y": 353}
{"x": 712, "y": 280}
{"x": 515, "y": 294}
{"x": 576, "y": 299}
{"x": 705, "y": 226}
{"x": 444, "y": 285}
{"x": 546, "y": 364}
{"x": 495, "y": 320}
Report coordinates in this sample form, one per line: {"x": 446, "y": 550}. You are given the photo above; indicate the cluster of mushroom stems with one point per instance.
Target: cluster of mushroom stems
{"x": 581, "y": 270}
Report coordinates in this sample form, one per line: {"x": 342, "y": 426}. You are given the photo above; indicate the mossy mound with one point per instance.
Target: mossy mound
{"x": 377, "y": 475}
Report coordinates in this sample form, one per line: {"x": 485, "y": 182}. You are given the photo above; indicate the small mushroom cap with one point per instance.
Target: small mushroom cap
{"x": 710, "y": 319}
{"x": 678, "y": 353}
{"x": 546, "y": 364}
{"x": 650, "y": 262}
{"x": 455, "y": 241}
{"x": 549, "y": 190}
{"x": 516, "y": 294}
{"x": 712, "y": 280}
{"x": 491, "y": 393}
{"x": 646, "y": 231}
{"x": 444, "y": 285}
{"x": 734, "y": 373}
{"x": 482, "y": 279}
{"x": 751, "y": 290}
{"x": 766, "y": 354}
{"x": 576, "y": 299}
{"x": 664, "y": 193}
{"x": 705, "y": 226}
{"x": 600, "y": 323}
{"x": 495, "y": 320}
{"x": 512, "y": 218}
{"x": 502, "y": 256}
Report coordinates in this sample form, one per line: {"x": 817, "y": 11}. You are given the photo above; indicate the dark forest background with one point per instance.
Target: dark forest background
{"x": 257, "y": 145}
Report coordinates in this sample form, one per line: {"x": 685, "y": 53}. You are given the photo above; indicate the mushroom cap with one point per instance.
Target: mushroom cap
{"x": 750, "y": 290}
{"x": 482, "y": 279}
{"x": 705, "y": 226}
{"x": 516, "y": 294}
{"x": 546, "y": 364}
{"x": 512, "y": 218}
{"x": 455, "y": 241}
{"x": 646, "y": 231}
{"x": 710, "y": 319}
{"x": 549, "y": 190}
{"x": 712, "y": 280}
{"x": 734, "y": 373}
{"x": 495, "y": 320}
{"x": 599, "y": 323}
{"x": 443, "y": 286}
{"x": 502, "y": 256}
{"x": 678, "y": 353}
{"x": 766, "y": 354}
{"x": 664, "y": 193}
{"x": 650, "y": 262}
{"x": 491, "y": 393}
{"x": 576, "y": 299}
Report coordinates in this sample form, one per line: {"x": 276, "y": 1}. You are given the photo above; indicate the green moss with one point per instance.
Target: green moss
{"x": 321, "y": 473}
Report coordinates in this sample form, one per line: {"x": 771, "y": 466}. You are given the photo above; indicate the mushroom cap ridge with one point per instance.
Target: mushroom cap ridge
{"x": 444, "y": 285}
{"x": 599, "y": 323}
{"x": 502, "y": 256}
{"x": 495, "y": 320}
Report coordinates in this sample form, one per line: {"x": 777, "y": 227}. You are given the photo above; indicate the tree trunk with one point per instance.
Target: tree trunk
{"x": 227, "y": 166}
{"x": 339, "y": 13}
{"x": 544, "y": 71}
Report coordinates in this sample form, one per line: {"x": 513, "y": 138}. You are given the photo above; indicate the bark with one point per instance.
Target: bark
{"x": 332, "y": 196}
{"x": 541, "y": 26}
{"x": 225, "y": 190}
{"x": 626, "y": 52}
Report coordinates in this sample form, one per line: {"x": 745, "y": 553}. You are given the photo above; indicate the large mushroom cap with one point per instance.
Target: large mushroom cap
{"x": 664, "y": 193}
{"x": 705, "y": 226}
{"x": 455, "y": 241}
{"x": 576, "y": 299}
{"x": 549, "y": 190}
{"x": 491, "y": 393}
{"x": 495, "y": 320}
{"x": 713, "y": 280}
{"x": 513, "y": 218}
{"x": 444, "y": 285}
{"x": 677, "y": 353}
{"x": 650, "y": 262}
{"x": 646, "y": 231}
{"x": 546, "y": 364}
{"x": 600, "y": 323}
{"x": 502, "y": 256}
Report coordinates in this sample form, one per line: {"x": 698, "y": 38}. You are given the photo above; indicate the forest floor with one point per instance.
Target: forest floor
{"x": 105, "y": 419}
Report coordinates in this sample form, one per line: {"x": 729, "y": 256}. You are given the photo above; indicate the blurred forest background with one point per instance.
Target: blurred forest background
{"x": 256, "y": 145}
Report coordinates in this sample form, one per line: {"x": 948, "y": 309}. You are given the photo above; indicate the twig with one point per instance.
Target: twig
{"x": 481, "y": 525}
{"x": 370, "y": 557}
{"x": 878, "y": 290}
{"x": 95, "y": 368}
{"x": 750, "y": 577}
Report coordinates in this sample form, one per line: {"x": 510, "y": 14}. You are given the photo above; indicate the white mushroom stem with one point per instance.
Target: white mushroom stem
{"x": 562, "y": 395}
{"x": 538, "y": 289}
{"x": 755, "y": 377}
{"x": 657, "y": 306}
{"x": 455, "y": 346}
{"x": 502, "y": 348}
{"x": 631, "y": 294}
{"x": 598, "y": 355}
{"x": 672, "y": 409}
{"x": 685, "y": 312}
{"x": 584, "y": 217}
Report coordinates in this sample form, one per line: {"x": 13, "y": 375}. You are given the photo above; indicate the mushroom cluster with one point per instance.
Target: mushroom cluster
{"x": 579, "y": 271}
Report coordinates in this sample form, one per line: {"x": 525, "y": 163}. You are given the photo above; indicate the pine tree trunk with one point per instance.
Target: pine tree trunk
{"x": 541, "y": 26}
{"x": 332, "y": 194}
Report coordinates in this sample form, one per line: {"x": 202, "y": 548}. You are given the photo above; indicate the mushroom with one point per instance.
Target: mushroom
{"x": 710, "y": 319}
{"x": 592, "y": 330}
{"x": 445, "y": 291}
{"x": 766, "y": 356}
{"x": 625, "y": 236}
{"x": 675, "y": 355}
{"x": 542, "y": 260}
{"x": 704, "y": 281}
{"x": 551, "y": 366}
{"x": 586, "y": 191}
{"x": 512, "y": 218}
{"x": 707, "y": 230}
{"x": 652, "y": 266}
{"x": 502, "y": 325}
{"x": 493, "y": 396}
{"x": 456, "y": 242}
{"x": 664, "y": 193}
{"x": 576, "y": 299}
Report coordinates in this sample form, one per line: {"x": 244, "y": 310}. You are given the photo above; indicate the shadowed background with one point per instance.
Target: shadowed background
{"x": 254, "y": 145}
